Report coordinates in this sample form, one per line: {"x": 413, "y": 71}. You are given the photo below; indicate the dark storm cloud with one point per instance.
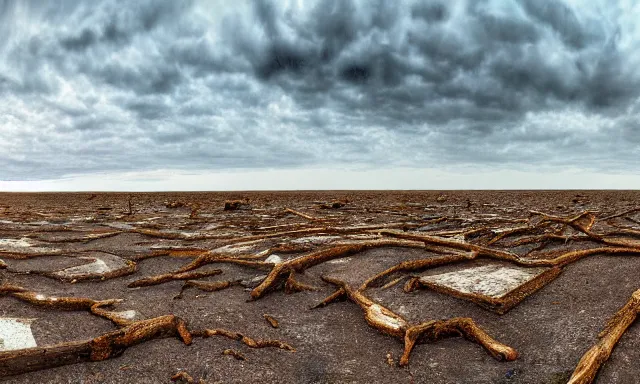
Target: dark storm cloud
{"x": 117, "y": 85}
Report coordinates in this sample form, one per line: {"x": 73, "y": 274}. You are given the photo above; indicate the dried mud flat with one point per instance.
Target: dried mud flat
{"x": 320, "y": 287}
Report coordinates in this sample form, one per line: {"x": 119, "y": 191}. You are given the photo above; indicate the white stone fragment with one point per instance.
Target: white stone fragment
{"x": 16, "y": 334}
{"x": 275, "y": 259}
{"x": 22, "y": 245}
{"x": 493, "y": 280}
{"x": 96, "y": 266}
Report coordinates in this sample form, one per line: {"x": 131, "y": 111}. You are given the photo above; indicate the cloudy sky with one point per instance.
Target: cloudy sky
{"x": 301, "y": 94}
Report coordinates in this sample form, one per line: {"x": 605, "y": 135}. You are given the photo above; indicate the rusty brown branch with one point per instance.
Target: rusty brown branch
{"x": 593, "y": 359}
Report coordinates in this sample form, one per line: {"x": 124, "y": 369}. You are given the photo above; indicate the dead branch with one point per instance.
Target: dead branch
{"x": 67, "y": 303}
{"x": 305, "y": 216}
{"x": 292, "y": 285}
{"x": 593, "y": 359}
{"x": 453, "y": 243}
{"x": 338, "y": 295}
{"x": 211, "y": 258}
{"x": 248, "y": 341}
{"x": 414, "y": 265}
{"x": 159, "y": 279}
{"x": 314, "y": 258}
{"x": 390, "y": 323}
{"x": 624, "y": 213}
{"x": 459, "y": 326}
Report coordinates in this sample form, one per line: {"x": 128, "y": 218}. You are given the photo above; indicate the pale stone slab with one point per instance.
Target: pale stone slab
{"x": 492, "y": 280}
{"x": 16, "y": 334}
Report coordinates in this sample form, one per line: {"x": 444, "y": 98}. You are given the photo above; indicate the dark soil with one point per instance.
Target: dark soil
{"x": 551, "y": 329}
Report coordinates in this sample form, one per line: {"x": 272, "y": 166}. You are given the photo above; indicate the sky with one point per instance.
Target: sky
{"x": 329, "y": 94}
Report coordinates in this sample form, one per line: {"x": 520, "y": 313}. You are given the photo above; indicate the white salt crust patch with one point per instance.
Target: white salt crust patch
{"x": 105, "y": 263}
{"x": 22, "y": 245}
{"x": 275, "y": 259}
{"x": 493, "y": 280}
{"x": 16, "y": 334}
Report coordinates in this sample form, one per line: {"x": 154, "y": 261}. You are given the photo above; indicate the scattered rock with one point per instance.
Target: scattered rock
{"x": 275, "y": 259}
{"x": 233, "y": 205}
{"x": 174, "y": 204}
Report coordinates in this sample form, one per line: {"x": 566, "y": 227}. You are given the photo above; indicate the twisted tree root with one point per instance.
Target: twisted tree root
{"x": 101, "y": 348}
{"x": 250, "y": 342}
{"x": 211, "y": 258}
{"x": 317, "y": 257}
{"x": 66, "y": 303}
{"x": 593, "y": 359}
{"x": 338, "y": 295}
{"x": 413, "y": 265}
{"x": 159, "y": 279}
{"x": 390, "y": 323}
{"x": 292, "y": 285}
{"x": 458, "y": 326}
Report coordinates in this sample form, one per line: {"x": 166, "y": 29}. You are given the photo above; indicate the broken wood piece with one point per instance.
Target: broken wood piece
{"x": 102, "y": 347}
{"x": 183, "y": 378}
{"x": 593, "y": 359}
{"x": 305, "y": 216}
{"x": 271, "y": 320}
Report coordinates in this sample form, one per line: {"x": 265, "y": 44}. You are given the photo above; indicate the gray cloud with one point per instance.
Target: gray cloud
{"x": 116, "y": 85}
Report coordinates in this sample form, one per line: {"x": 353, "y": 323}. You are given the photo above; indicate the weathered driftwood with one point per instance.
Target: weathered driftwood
{"x": 591, "y": 362}
{"x": 103, "y": 347}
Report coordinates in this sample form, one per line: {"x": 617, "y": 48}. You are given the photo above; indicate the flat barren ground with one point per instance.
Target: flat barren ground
{"x": 492, "y": 286}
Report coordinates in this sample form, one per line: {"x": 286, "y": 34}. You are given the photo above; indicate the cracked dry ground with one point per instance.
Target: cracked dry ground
{"x": 321, "y": 287}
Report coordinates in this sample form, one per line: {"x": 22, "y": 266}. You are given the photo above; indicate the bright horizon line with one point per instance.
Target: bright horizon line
{"x": 325, "y": 179}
